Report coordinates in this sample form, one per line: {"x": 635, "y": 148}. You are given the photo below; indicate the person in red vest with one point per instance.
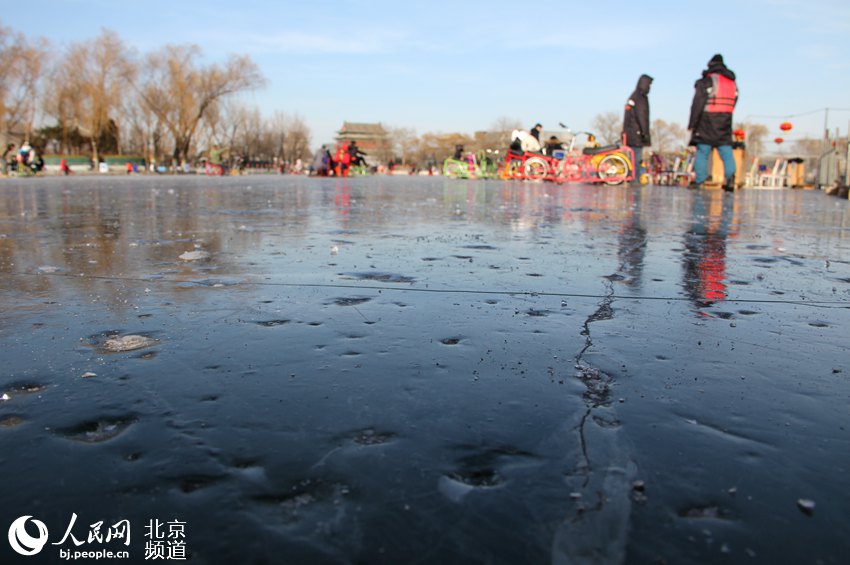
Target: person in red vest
{"x": 715, "y": 96}
{"x": 343, "y": 160}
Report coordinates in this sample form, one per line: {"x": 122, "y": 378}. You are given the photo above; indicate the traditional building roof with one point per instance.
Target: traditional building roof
{"x": 372, "y": 139}
{"x": 354, "y": 130}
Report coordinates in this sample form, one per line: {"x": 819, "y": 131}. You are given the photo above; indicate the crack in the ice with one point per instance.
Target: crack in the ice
{"x": 597, "y": 532}
{"x": 583, "y": 443}
{"x": 596, "y": 382}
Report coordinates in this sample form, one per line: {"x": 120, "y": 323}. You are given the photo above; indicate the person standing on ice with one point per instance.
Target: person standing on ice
{"x": 636, "y": 124}
{"x": 715, "y": 96}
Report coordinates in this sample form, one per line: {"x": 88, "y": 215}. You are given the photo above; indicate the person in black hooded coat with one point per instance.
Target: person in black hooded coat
{"x": 710, "y": 123}
{"x": 636, "y": 123}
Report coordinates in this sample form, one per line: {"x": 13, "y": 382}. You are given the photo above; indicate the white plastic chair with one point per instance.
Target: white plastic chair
{"x": 777, "y": 177}
{"x": 751, "y": 179}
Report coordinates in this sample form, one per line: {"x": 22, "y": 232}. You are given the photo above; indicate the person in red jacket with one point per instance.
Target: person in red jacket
{"x": 343, "y": 160}
{"x": 710, "y": 123}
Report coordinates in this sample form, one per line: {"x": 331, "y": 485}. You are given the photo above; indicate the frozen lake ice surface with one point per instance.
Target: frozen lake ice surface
{"x": 424, "y": 370}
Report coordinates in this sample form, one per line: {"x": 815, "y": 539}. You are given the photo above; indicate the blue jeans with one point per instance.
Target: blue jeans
{"x": 701, "y": 162}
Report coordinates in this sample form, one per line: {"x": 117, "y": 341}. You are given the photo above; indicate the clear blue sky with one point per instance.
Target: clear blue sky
{"x": 441, "y": 66}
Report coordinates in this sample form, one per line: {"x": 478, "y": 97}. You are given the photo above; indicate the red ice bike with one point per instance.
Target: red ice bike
{"x": 610, "y": 164}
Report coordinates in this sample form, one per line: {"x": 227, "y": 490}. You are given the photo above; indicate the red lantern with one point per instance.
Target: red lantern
{"x": 785, "y": 126}
{"x": 778, "y": 140}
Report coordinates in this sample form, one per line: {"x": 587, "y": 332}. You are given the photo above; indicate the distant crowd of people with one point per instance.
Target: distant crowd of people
{"x": 340, "y": 162}
{"x": 24, "y": 160}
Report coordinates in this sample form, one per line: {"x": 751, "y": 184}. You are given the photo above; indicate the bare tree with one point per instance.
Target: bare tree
{"x": 298, "y": 140}
{"x": 277, "y": 133}
{"x": 63, "y": 102}
{"x": 405, "y": 143}
{"x": 223, "y": 129}
{"x": 808, "y": 147}
{"x": 499, "y": 134}
{"x": 95, "y": 76}
{"x": 253, "y": 136}
{"x": 608, "y": 127}
{"x": 210, "y": 129}
{"x": 505, "y": 125}
{"x": 144, "y": 132}
{"x": 668, "y": 137}
{"x": 181, "y": 93}
{"x": 755, "y": 135}
{"x": 23, "y": 66}
{"x": 436, "y": 147}
{"x": 239, "y": 129}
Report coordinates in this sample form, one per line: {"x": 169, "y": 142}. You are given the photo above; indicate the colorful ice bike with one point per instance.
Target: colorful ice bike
{"x": 471, "y": 166}
{"x": 610, "y": 164}
{"x": 464, "y": 168}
